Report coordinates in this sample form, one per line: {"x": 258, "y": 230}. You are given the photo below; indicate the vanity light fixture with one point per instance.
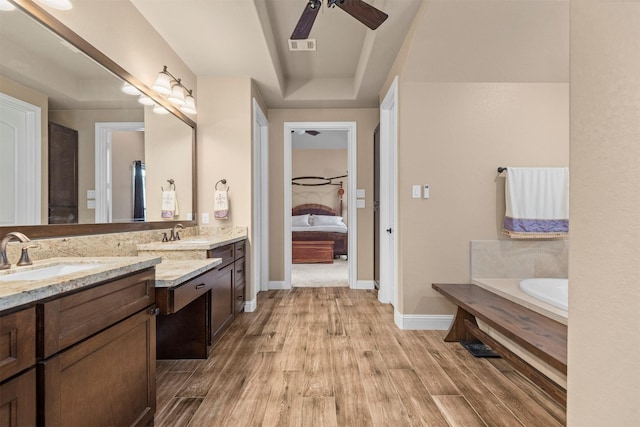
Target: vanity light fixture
{"x": 6, "y": 6}
{"x": 129, "y": 89}
{"x": 58, "y": 4}
{"x": 145, "y": 100}
{"x": 177, "y": 93}
{"x": 159, "y": 109}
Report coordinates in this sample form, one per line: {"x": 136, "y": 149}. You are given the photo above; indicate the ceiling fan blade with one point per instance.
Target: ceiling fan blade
{"x": 363, "y": 12}
{"x": 303, "y": 27}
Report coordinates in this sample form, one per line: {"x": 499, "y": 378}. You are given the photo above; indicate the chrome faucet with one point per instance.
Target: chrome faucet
{"x": 24, "y": 258}
{"x": 175, "y": 234}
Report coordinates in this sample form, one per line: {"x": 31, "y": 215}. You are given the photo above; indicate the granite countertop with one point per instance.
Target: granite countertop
{"x": 14, "y": 293}
{"x": 172, "y": 273}
{"x": 191, "y": 243}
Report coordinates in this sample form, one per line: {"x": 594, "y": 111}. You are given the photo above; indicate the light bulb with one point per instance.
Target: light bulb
{"x": 6, "y": 6}
{"x": 177, "y": 95}
{"x": 129, "y": 89}
{"x": 163, "y": 83}
{"x": 189, "y": 106}
{"x": 159, "y": 109}
{"x": 145, "y": 100}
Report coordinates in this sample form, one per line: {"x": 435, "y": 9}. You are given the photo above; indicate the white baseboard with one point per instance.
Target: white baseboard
{"x": 438, "y": 322}
{"x": 280, "y": 285}
{"x": 250, "y": 306}
{"x": 364, "y": 284}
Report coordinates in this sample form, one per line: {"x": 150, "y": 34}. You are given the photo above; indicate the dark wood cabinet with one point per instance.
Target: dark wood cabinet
{"x": 239, "y": 279}
{"x": 17, "y": 368}
{"x": 96, "y": 351}
{"x": 18, "y": 400}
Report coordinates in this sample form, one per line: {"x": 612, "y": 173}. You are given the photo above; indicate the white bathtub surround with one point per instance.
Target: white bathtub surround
{"x": 521, "y": 259}
{"x": 537, "y": 203}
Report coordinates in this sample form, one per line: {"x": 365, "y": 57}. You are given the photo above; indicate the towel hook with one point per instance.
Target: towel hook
{"x": 172, "y": 185}
{"x": 223, "y": 182}
{"x": 501, "y": 169}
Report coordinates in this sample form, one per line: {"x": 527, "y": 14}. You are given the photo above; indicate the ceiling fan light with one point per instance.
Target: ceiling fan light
{"x": 189, "y": 106}
{"x": 163, "y": 83}
{"x": 159, "y": 109}
{"x": 6, "y": 6}
{"x": 129, "y": 89}
{"x": 58, "y": 4}
{"x": 145, "y": 100}
{"x": 177, "y": 95}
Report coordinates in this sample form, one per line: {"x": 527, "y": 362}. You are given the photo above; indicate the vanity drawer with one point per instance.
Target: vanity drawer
{"x": 239, "y": 272}
{"x": 72, "y": 318}
{"x": 171, "y": 300}
{"x": 240, "y": 249}
{"x": 224, "y": 252}
{"x": 17, "y": 342}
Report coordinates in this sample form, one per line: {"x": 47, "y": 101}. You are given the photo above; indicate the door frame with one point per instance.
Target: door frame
{"x": 260, "y": 221}
{"x": 28, "y": 206}
{"x": 352, "y": 214}
{"x": 388, "y": 292}
{"x": 104, "y": 132}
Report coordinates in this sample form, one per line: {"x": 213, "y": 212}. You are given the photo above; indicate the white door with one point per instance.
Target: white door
{"x": 20, "y": 169}
{"x": 388, "y": 292}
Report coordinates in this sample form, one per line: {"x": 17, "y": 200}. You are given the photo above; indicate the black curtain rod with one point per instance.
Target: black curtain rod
{"x": 501, "y": 169}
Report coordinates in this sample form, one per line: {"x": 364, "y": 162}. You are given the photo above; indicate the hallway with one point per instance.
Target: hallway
{"x": 333, "y": 357}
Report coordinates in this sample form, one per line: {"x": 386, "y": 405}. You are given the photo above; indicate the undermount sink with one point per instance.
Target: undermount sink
{"x": 47, "y": 272}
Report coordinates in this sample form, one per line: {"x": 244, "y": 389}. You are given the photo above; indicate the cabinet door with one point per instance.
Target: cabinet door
{"x": 222, "y": 301}
{"x": 17, "y": 342}
{"x": 18, "y": 400}
{"x": 107, "y": 380}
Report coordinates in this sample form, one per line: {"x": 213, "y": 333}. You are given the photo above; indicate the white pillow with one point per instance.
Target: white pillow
{"x": 326, "y": 220}
{"x": 300, "y": 221}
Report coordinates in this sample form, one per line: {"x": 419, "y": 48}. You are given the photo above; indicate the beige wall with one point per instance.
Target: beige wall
{"x": 604, "y": 256}
{"x": 464, "y": 110}
{"x": 367, "y": 120}
{"x": 168, "y": 155}
{"x": 127, "y": 147}
{"x": 84, "y": 121}
{"x": 324, "y": 163}
{"x": 23, "y": 93}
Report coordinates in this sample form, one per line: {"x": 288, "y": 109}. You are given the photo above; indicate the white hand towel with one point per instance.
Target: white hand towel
{"x": 221, "y": 204}
{"x": 537, "y": 202}
{"x": 169, "y": 204}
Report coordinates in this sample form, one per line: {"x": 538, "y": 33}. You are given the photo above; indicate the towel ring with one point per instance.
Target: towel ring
{"x": 172, "y": 185}
{"x": 223, "y": 182}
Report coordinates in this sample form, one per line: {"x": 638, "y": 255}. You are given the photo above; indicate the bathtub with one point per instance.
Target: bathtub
{"x": 551, "y": 291}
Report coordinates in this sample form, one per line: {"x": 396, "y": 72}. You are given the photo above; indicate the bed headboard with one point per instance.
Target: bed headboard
{"x": 314, "y": 209}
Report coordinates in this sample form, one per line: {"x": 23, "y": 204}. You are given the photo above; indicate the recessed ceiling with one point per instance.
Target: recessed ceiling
{"x": 231, "y": 38}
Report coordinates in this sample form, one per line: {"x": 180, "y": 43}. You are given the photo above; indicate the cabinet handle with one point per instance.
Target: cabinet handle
{"x": 200, "y": 286}
{"x": 155, "y": 311}
{"x": 238, "y": 271}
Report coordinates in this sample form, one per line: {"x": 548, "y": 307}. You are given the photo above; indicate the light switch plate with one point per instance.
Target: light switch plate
{"x": 415, "y": 191}
{"x": 189, "y": 216}
{"x": 360, "y": 203}
{"x": 360, "y": 193}
{"x": 205, "y": 218}
{"x": 91, "y": 204}
{"x": 91, "y": 194}
{"x": 426, "y": 192}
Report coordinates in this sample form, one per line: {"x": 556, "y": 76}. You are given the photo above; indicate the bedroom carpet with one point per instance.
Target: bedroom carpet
{"x": 320, "y": 275}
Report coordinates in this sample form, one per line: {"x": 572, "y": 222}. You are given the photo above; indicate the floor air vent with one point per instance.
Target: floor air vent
{"x": 306, "y": 44}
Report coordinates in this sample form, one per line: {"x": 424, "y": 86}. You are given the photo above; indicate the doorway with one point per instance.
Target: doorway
{"x": 349, "y": 215}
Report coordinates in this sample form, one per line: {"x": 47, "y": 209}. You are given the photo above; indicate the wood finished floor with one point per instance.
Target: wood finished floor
{"x": 334, "y": 357}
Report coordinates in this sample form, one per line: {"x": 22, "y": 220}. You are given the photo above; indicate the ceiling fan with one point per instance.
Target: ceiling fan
{"x": 363, "y": 12}
{"x": 308, "y": 132}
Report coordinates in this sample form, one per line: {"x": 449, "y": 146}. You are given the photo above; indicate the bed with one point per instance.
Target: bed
{"x": 315, "y": 222}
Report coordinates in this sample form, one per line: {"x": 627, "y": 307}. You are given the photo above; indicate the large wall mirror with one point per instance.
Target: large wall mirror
{"x": 77, "y": 154}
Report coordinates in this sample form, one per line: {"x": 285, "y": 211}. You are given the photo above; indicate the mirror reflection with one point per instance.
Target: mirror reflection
{"x": 74, "y": 148}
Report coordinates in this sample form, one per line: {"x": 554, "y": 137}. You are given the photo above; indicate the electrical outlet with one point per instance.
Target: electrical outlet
{"x": 205, "y": 218}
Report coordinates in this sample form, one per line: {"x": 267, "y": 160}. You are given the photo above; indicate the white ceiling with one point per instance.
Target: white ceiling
{"x": 231, "y": 38}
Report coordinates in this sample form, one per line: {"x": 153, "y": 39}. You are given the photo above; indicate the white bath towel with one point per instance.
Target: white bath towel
{"x": 169, "y": 205}
{"x": 537, "y": 202}
{"x": 221, "y": 204}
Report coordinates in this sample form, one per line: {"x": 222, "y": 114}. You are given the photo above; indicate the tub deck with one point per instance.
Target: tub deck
{"x": 540, "y": 335}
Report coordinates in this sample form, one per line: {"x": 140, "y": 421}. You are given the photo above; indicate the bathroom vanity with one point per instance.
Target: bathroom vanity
{"x": 197, "y": 308}
{"x": 79, "y": 348}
